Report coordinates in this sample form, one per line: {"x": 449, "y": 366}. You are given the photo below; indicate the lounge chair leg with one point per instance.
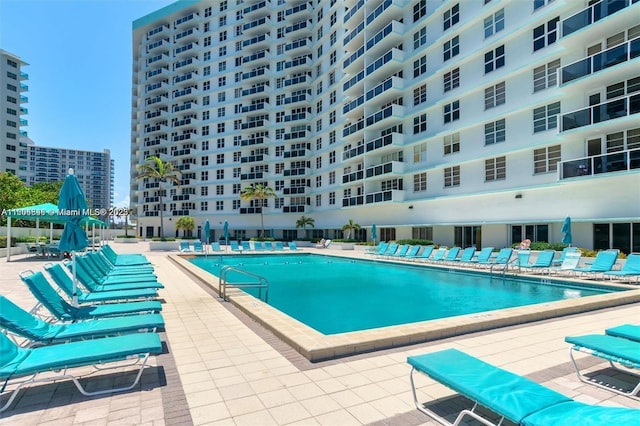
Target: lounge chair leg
{"x": 632, "y": 393}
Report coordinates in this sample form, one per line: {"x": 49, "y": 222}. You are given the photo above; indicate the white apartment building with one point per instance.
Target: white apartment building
{"x": 13, "y": 112}
{"x": 468, "y": 122}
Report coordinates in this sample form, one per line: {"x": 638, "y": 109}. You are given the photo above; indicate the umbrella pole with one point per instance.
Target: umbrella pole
{"x": 75, "y": 279}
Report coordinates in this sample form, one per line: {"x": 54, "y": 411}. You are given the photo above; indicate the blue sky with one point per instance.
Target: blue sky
{"x": 79, "y": 56}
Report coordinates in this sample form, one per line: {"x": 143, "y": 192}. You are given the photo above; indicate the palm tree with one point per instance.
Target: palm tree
{"x": 305, "y": 221}
{"x": 258, "y": 192}
{"x": 350, "y": 226}
{"x": 187, "y": 224}
{"x": 164, "y": 171}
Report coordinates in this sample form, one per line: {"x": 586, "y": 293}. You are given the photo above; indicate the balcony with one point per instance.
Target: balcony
{"x": 391, "y": 35}
{"x": 353, "y": 108}
{"x": 392, "y": 140}
{"x": 298, "y": 47}
{"x": 297, "y": 190}
{"x": 294, "y": 209}
{"x": 354, "y": 61}
{"x": 301, "y": 11}
{"x": 358, "y": 200}
{"x": 184, "y": 49}
{"x": 389, "y": 63}
{"x": 189, "y": 64}
{"x": 302, "y": 79}
{"x": 353, "y": 176}
{"x": 600, "y": 61}
{"x": 256, "y": 43}
{"x": 617, "y": 108}
{"x": 295, "y": 117}
{"x": 352, "y": 153}
{"x": 192, "y": 34}
{"x": 252, "y": 176}
{"x": 252, "y": 141}
{"x": 622, "y": 161}
{"x": 157, "y": 32}
{"x": 353, "y": 128}
{"x": 255, "y": 11}
{"x": 160, "y": 59}
{"x": 296, "y": 172}
{"x": 256, "y": 26}
{"x": 258, "y": 72}
{"x": 296, "y": 153}
{"x": 297, "y": 135}
{"x": 353, "y": 85}
{"x": 184, "y": 78}
{"x": 252, "y": 158}
{"x": 592, "y": 14}
{"x": 385, "y": 196}
{"x": 156, "y": 44}
{"x": 254, "y": 90}
{"x": 381, "y": 118}
{"x": 301, "y": 29}
{"x": 261, "y": 58}
{"x": 297, "y": 63}
{"x": 253, "y": 107}
{"x": 395, "y": 167}
{"x": 354, "y": 11}
{"x": 158, "y": 73}
{"x": 253, "y": 124}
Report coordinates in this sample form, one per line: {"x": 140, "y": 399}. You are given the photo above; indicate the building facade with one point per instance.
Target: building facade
{"x": 466, "y": 122}
{"x": 94, "y": 170}
{"x": 13, "y": 112}
{"x": 32, "y": 163}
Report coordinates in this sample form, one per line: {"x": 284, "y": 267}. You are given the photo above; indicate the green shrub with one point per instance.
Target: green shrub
{"x": 3, "y": 241}
{"x": 126, "y": 236}
{"x": 163, "y": 239}
{"x": 415, "y": 242}
{"x": 32, "y": 239}
{"x": 263, "y": 239}
{"x": 344, "y": 240}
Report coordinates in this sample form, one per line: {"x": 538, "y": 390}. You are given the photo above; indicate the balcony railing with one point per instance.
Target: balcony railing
{"x": 621, "y": 161}
{"x": 600, "y": 61}
{"x": 592, "y": 14}
{"x": 358, "y": 200}
{"x": 617, "y": 108}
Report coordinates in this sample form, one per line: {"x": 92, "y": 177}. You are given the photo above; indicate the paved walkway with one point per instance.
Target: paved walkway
{"x": 220, "y": 367}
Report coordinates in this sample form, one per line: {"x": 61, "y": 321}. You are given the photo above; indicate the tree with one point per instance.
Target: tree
{"x": 187, "y": 224}
{"x": 10, "y": 188}
{"x": 305, "y": 221}
{"x": 162, "y": 171}
{"x": 350, "y": 226}
{"x": 258, "y": 192}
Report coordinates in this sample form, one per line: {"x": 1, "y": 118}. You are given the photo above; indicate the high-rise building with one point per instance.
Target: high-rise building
{"x": 33, "y": 163}
{"x": 13, "y": 111}
{"x": 94, "y": 170}
{"x": 466, "y": 122}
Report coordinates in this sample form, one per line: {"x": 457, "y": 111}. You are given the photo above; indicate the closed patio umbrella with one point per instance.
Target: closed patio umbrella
{"x": 567, "y": 238}
{"x": 72, "y": 206}
{"x": 225, "y": 233}
{"x": 374, "y": 233}
{"x": 207, "y": 232}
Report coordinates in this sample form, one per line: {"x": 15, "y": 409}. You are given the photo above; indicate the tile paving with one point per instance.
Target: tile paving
{"x": 222, "y": 367}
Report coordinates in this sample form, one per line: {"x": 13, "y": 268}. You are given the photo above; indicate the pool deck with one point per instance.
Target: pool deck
{"x": 223, "y": 367}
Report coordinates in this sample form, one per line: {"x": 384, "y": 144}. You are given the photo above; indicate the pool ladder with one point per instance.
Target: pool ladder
{"x": 259, "y": 283}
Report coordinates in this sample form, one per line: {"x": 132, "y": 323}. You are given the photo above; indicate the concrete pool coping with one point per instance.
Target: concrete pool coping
{"x": 316, "y": 346}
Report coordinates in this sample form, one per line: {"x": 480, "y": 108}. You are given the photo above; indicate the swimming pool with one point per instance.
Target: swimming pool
{"x": 338, "y": 295}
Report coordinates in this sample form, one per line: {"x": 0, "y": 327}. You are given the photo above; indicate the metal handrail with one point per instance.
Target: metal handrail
{"x": 223, "y": 283}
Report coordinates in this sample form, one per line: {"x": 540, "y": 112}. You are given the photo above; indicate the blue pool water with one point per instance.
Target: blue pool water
{"x": 336, "y": 295}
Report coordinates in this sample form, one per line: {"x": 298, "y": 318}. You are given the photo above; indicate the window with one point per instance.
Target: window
{"x": 219, "y": 205}
{"x": 420, "y": 153}
{"x": 451, "y": 48}
{"x": 546, "y": 159}
{"x": 236, "y": 204}
{"x": 420, "y": 182}
{"x": 221, "y": 111}
{"x": 318, "y": 200}
{"x": 451, "y": 79}
{"x": 332, "y": 198}
{"x": 205, "y": 160}
{"x": 452, "y": 176}
{"x": 545, "y": 76}
{"x": 537, "y": 4}
{"x": 420, "y": 95}
{"x": 545, "y": 34}
{"x": 332, "y": 117}
{"x": 204, "y": 206}
{"x": 494, "y": 95}
{"x": 451, "y": 143}
{"x": 494, "y": 59}
{"x": 419, "y": 10}
{"x": 495, "y": 169}
{"x": 546, "y": 117}
{"x": 451, "y": 17}
{"x": 220, "y": 127}
{"x": 219, "y": 189}
{"x": 494, "y": 23}
{"x": 420, "y": 66}
{"x": 222, "y": 96}
{"x": 420, "y": 38}
{"x": 332, "y": 58}
{"x": 204, "y": 191}
{"x": 222, "y": 81}
{"x": 220, "y": 174}
{"x": 495, "y": 132}
{"x": 219, "y": 158}
{"x": 420, "y": 124}
{"x": 452, "y": 112}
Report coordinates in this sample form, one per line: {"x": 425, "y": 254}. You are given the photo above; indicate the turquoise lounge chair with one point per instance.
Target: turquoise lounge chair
{"x": 92, "y": 278}
{"x": 18, "y": 321}
{"x": 279, "y": 246}
{"x": 401, "y": 252}
{"x": 511, "y": 396}
{"x": 292, "y": 246}
{"x": 100, "y": 264}
{"x": 543, "y": 261}
{"x": 377, "y": 250}
{"x": 123, "y": 259}
{"x": 626, "y": 331}
{"x": 466, "y": 256}
{"x": 258, "y": 246}
{"x": 603, "y": 262}
{"x": 234, "y": 246}
{"x": 413, "y": 252}
{"x": 450, "y": 255}
{"x": 483, "y": 256}
{"x": 63, "y": 311}
{"x": 616, "y": 350}
{"x": 65, "y": 282}
{"x": 391, "y": 249}
{"x": 245, "y": 245}
{"x": 21, "y": 366}
{"x": 438, "y": 256}
{"x": 197, "y": 247}
{"x": 424, "y": 254}
{"x": 215, "y": 247}
{"x": 563, "y": 254}
{"x": 630, "y": 269}
{"x": 268, "y": 245}
{"x": 502, "y": 258}
{"x": 570, "y": 262}
{"x": 185, "y": 247}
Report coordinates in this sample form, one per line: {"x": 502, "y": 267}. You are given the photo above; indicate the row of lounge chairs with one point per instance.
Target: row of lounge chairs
{"x": 523, "y": 401}
{"x": 244, "y": 246}
{"x": 113, "y": 324}
{"x": 546, "y": 261}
